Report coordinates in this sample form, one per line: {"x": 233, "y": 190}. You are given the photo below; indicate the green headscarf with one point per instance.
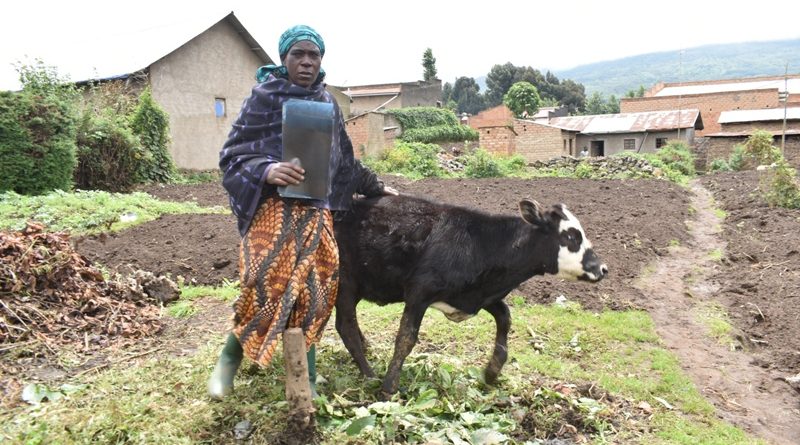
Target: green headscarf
{"x": 288, "y": 39}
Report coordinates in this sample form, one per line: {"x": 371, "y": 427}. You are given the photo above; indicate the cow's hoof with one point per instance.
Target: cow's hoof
{"x": 490, "y": 376}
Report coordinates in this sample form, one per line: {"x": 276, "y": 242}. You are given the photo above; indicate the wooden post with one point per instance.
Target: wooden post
{"x": 298, "y": 390}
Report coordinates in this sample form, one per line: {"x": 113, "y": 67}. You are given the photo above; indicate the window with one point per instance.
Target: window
{"x": 219, "y": 107}
{"x": 660, "y": 142}
{"x": 629, "y": 144}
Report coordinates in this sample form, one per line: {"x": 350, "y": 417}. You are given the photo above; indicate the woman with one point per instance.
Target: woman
{"x": 288, "y": 258}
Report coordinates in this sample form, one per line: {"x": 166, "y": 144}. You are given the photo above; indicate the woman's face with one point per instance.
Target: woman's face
{"x": 303, "y": 61}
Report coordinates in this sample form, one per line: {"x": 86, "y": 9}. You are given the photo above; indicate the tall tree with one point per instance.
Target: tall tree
{"x": 498, "y": 81}
{"x": 429, "y": 65}
{"x": 596, "y": 104}
{"x": 572, "y": 95}
{"x": 466, "y": 93}
{"x": 522, "y": 99}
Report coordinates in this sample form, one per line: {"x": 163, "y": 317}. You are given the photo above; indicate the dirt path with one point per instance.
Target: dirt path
{"x": 744, "y": 393}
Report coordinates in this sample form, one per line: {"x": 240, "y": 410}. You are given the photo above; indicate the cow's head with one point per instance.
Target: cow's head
{"x": 575, "y": 257}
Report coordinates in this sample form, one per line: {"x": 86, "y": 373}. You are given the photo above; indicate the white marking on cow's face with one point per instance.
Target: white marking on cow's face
{"x": 573, "y": 260}
{"x": 451, "y": 313}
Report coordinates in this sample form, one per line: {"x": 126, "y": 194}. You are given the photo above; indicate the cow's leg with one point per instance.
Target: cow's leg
{"x": 502, "y": 318}
{"x": 406, "y": 339}
{"x": 350, "y": 332}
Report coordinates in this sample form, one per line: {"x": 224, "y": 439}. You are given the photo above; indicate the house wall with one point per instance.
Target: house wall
{"x": 710, "y": 105}
{"x": 764, "y": 125}
{"x": 363, "y": 104}
{"x": 216, "y": 64}
{"x": 537, "y": 142}
{"x": 371, "y": 133}
{"x": 498, "y": 140}
{"x": 342, "y": 100}
{"x": 645, "y": 142}
{"x": 722, "y": 147}
{"x": 421, "y": 94}
{"x": 493, "y": 117}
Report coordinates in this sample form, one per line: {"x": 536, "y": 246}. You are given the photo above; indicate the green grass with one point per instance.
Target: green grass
{"x": 185, "y": 307}
{"x": 162, "y": 400}
{"x": 716, "y": 255}
{"x": 721, "y": 214}
{"x": 715, "y": 318}
{"x": 87, "y": 212}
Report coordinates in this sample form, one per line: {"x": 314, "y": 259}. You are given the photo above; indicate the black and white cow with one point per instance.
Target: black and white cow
{"x": 457, "y": 260}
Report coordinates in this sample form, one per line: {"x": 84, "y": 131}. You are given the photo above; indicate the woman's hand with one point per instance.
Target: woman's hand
{"x": 285, "y": 173}
{"x": 390, "y": 191}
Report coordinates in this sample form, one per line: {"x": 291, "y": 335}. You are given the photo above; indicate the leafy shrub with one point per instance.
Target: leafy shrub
{"x": 584, "y": 170}
{"x": 677, "y": 156}
{"x": 720, "y": 165}
{"x": 37, "y": 133}
{"x": 481, "y": 164}
{"x": 757, "y": 150}
{"x": 779, "y": 186}
{"x": 512, "y": 165}
{"x": 108, "y": 155}
{"x": 431, "y": 124}
{"x": 413, "y": 159}
{"x": 151, "y": 124}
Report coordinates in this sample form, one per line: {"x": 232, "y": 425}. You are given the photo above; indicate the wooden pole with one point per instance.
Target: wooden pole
{"x": 298, "y": 390}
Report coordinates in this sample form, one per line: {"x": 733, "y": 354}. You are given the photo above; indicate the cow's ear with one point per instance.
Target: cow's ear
{"x": 531, "y": 212}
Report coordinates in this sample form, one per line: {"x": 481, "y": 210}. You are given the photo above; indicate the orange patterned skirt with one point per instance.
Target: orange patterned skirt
{"x": 289, "y": 271}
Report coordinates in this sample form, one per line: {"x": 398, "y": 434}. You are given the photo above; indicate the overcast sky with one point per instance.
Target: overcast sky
{"x": 383, "y": 41}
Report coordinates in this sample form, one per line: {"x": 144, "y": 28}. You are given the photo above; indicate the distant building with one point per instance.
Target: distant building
{"x": 737, "y": 126}
{"x": 713, "y": 97}
{"x": 603, "y": 135}
{"x": 201, "y": 82}
{"x": 381, "y": 97}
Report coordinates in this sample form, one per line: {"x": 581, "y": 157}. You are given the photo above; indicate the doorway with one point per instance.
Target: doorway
{"x": 598, "y": 148}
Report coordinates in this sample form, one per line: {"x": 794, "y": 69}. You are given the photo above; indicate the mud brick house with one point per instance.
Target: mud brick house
{"x": 200, "y": 79}
{"x": 738, "y": 125}
{"x": 713, "y": 97}
{"x": 605, "y": 134}
{"x": 372, "y": 132}
{"x": 378, "y": 97}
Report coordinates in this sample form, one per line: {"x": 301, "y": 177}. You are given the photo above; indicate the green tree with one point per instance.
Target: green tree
{"x": 522, "y": 99}
{"x": 447, "y": 92}
{"x": 37, "y": 132}
{"x": 429, "y": 64}
{"x": 613, "y": 104}
{"x": 467, "y": 96}
{"x": 596, "y": 104}
{"x": 151, "y": 124}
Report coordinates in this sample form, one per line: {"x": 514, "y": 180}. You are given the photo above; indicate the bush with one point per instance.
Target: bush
{"x": 412, "y": 159}
{"x": 108, "y": 155}
{"x": 677, "y": 156}
{"x": 151, "y": 124}
{"x": 481, "y": 164}
{"x": 720, "y": 165}
{"x": 757, "y": 150}
{"x": 430, "y": 124}
{"x": 37, "y": 133}
{"x": 779, "y": 186}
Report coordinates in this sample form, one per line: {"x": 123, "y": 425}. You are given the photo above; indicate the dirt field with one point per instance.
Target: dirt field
{"x": 658, "y": 240}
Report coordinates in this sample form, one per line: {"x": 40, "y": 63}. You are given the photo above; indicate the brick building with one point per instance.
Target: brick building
{"x": 372, "y": 132}
{"x": 713, "y": 97}
{"x": 738, "y": 125}
{"x": 603, "y": 135}
{"x": 380, "y": 97}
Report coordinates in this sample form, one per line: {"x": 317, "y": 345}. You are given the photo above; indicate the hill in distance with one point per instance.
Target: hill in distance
{"x": 710, "y": 62}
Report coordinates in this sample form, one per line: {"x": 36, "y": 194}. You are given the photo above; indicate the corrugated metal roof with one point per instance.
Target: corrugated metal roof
{"x": 731, "y": 134}
{"x": 766, "y": 114}
{"x": 628, "y": 122}
{"x": 359, "y": 92}
{"x": 793, "y": 85}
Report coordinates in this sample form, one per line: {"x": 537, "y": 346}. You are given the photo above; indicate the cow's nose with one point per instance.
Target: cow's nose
{"x": 603, "y": 270}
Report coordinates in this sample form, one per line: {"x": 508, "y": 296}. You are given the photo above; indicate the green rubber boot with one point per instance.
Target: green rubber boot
{"x": 312, "y": 370}
{"x": 221, "y": 382}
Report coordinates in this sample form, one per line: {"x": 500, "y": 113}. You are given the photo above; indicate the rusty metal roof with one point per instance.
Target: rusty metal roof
{"x": 733, "y": 134}
{"x": 630, "y": 122}
{"x": 766, "y": 114}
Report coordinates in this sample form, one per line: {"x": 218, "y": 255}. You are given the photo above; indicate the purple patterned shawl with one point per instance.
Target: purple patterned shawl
{"x": 255, "y": 142}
